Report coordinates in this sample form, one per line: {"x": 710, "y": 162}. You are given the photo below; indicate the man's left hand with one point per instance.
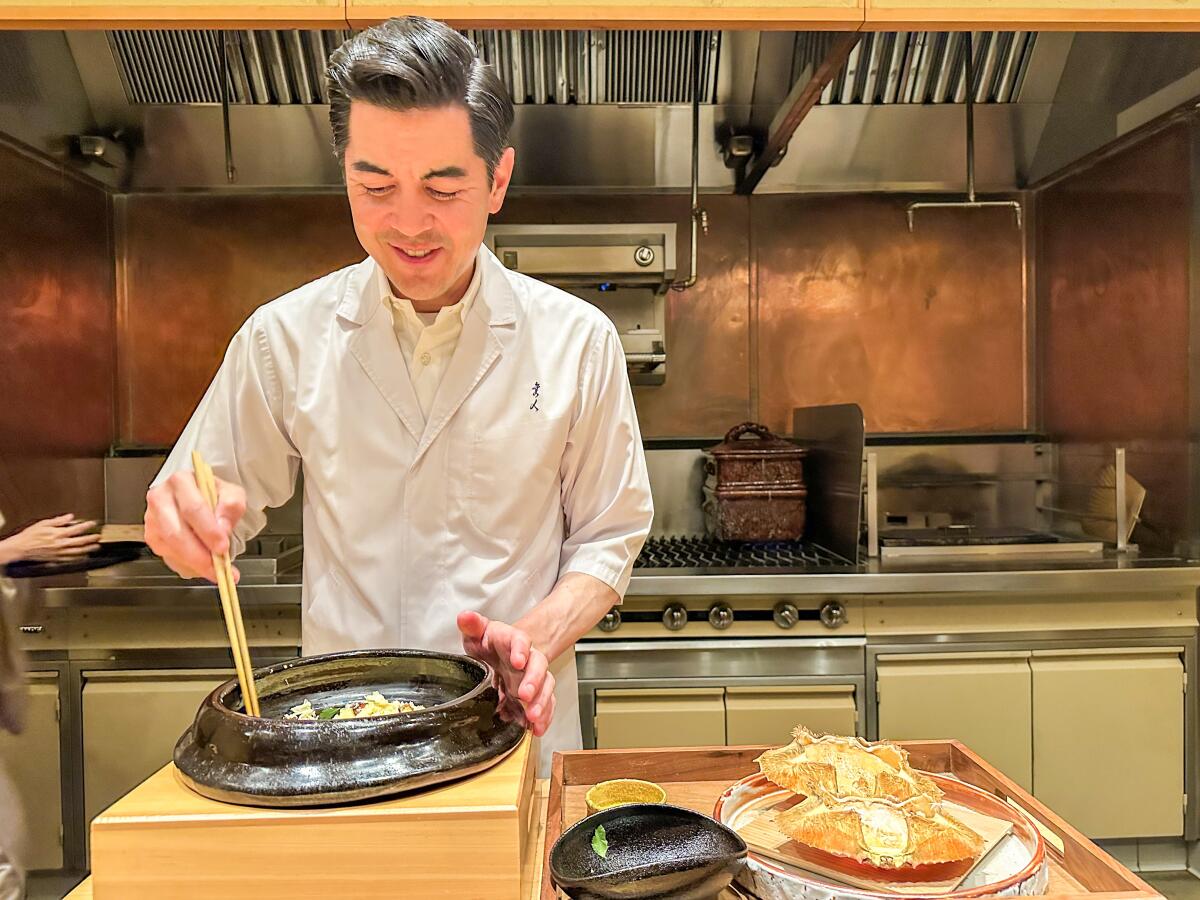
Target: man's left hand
{"x": 522, "y": 670}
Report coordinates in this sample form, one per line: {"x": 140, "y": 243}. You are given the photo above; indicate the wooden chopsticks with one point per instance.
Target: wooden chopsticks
{"x": 229, "y": 598}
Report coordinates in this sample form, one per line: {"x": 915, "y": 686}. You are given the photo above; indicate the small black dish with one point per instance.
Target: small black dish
{"x": 107, "y": 554}
{"x": 654, "y": 851}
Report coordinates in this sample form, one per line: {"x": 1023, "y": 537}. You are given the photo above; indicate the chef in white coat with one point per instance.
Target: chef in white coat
{"x": 473, "y": 470}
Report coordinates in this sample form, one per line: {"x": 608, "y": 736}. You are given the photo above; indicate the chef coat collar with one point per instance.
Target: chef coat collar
{"x": 494, "y": 302}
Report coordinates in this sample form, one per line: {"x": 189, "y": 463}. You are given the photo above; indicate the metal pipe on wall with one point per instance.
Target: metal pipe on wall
{"x": 699, "y": 216}
{"x": 971, "y": 202}
{"x": 230, "y": 171}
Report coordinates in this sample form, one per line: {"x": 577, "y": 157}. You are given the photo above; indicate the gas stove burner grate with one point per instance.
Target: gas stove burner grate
{"x": 710, "y": 553}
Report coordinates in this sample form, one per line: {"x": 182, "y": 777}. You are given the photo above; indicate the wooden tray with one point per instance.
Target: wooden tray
{"x": 696, "y": 777}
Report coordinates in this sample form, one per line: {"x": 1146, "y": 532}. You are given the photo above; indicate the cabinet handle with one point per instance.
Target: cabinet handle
{"x": 32, "y": 629}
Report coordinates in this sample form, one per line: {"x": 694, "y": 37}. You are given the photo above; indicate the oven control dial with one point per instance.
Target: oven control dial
{"x": 720, "y": 616}
{"x": 833, "y": 614}
{"x": 785, "y": 615}
{"x": 675, "y": 617}
{"x": 611, "y": 620}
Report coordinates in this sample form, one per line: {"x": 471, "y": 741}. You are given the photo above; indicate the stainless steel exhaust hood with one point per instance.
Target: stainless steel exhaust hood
{"x": 281, "y": 67}
{"x": 602, "y": 109}
{"x": 580, "y": 95}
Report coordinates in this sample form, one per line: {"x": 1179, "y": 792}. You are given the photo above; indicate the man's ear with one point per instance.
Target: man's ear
{"x": 501, "y": 178}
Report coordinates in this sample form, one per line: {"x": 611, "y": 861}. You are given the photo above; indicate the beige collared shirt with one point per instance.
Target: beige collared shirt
{"x": 427, "y": 340}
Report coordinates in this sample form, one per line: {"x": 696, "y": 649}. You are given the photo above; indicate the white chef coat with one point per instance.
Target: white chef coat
{"x": 530, "y": 465}
{"x": 427, "y": 340}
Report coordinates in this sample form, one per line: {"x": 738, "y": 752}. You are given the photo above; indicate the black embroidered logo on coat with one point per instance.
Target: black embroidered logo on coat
{"x": 536, "y": 391}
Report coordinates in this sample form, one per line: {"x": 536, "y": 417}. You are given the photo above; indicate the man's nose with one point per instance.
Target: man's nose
{"x": 410, "y": 219}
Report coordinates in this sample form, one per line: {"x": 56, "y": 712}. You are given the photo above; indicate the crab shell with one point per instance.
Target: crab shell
{"x": 884, "y": 833}
{"x": 845, "y": 767}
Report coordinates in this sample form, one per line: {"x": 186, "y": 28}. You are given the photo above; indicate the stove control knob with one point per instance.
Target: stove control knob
{"x": 675, "y": 617}
{"x": 611, "y": 620}
{"x": 720, "y": 616}
{"x": 833, "y": 614}
{"x": 786, "y": 615}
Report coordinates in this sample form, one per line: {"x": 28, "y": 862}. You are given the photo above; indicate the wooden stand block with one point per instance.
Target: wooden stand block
{"x": 464, "y": 839}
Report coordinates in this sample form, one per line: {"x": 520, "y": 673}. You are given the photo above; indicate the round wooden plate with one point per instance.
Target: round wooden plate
{"x": 1015, "y": 868}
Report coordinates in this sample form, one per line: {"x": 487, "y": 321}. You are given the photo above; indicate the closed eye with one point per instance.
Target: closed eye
{"x": 442, "y": 195}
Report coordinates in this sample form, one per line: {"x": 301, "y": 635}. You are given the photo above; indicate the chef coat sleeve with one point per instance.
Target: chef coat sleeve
{"x": 239, "y": 428}
{"x": 605, "y": 487}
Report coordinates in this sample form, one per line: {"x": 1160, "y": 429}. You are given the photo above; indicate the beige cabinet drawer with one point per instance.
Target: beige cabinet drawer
{"x": 33, "y": 762}
{"x": 980, "y": 699}
{"x": 1108, "y": 740}
{"x": 131, "y": 721}
{"x": 660, "y": 717}
{"x": 767, "y": 715}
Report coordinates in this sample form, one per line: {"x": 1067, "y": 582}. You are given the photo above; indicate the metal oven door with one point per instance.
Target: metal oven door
{"x": 717, "y": 692}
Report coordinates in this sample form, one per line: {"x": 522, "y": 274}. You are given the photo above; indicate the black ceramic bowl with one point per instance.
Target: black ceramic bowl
{"x": 654, "y": 851}
{"x": 273, "y": 761}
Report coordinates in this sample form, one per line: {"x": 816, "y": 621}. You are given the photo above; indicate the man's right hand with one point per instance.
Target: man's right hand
{"x": 185, "y": 531}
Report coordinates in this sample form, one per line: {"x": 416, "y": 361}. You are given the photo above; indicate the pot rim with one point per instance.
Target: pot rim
{"x": 217, "y": 698}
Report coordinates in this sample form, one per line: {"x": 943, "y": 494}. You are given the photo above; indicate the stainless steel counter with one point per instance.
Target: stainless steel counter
{"x": 1102, "y": 575}
{"x": 1093, "y": 575}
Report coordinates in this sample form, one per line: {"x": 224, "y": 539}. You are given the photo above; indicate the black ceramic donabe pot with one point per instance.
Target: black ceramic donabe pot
{"x": 754, "y": 489}
{"x": 273, "y": 761}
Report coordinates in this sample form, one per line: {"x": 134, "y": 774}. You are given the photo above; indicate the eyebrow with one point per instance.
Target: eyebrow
{"x": 445, "y": 172}
{"x": 363, "y": 165}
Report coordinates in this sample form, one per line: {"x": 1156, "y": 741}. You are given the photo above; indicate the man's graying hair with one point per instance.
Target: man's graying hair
{"x": 418, "y": 63}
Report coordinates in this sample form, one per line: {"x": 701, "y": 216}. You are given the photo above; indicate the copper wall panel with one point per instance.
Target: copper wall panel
{"x": 1113, "y": 259}
{"x": 925, "y": 331}
{"x": 195, "y": 266}
{"x": 1114, "y": 246}
{"x": 708, "y": 363}
{"x": 57, "y": 347}
{"x": 191, "y": 269}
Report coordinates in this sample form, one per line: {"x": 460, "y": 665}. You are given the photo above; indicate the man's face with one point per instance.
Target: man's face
{"x": 420, "y": 197}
